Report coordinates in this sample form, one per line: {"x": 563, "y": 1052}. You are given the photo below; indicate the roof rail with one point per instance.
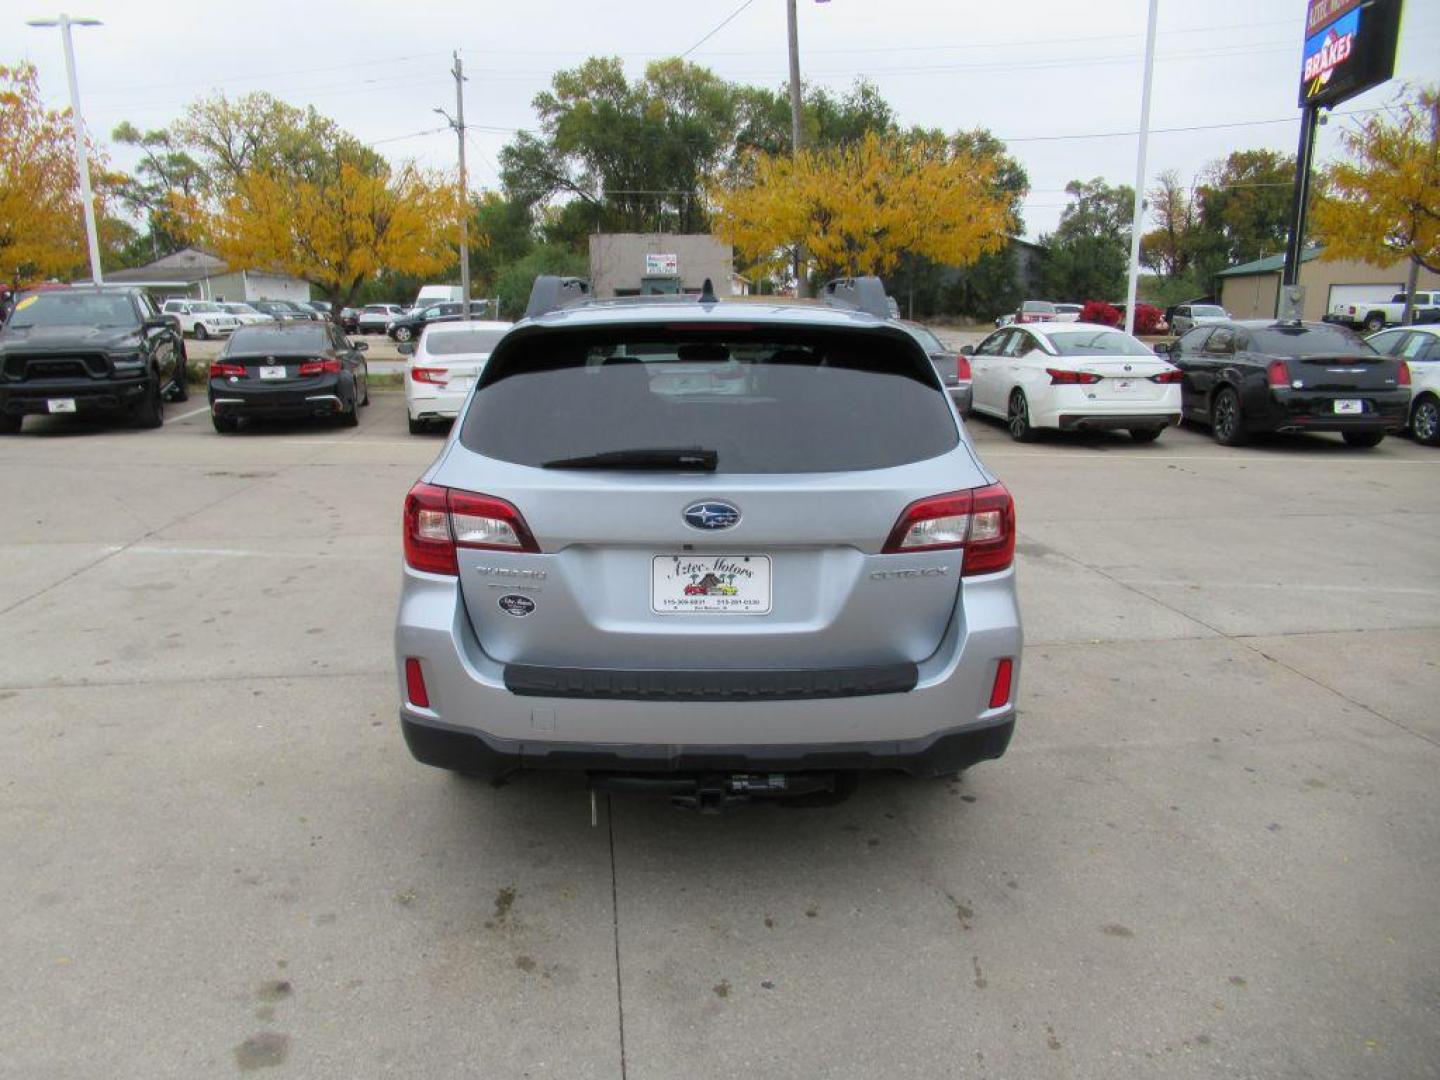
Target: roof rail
{"x": 551, "y": 293}
{"x": 865, "y": 294}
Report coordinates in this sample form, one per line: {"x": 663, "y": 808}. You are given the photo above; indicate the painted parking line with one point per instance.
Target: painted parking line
{"x": 188, "y": 415}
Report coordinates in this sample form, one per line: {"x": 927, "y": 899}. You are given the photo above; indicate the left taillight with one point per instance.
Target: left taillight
{"x": 1277, "y": 374}
{"x": 320, "y": 367}
{"x": 980, "y": 521}
{"x": 1402, "y": 375}
{"x": 435, "y": 376}
{"x": 962, "y": 367}
{"x": 439, "y": 521}
{"x": 221, "y": 370}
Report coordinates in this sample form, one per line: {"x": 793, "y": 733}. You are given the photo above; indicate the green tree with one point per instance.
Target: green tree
{"x": 164, "y": 179}
{"x": 1089, "y": 251}
{"x": 515, "y": 280}
{"x": 1244, "y": 210}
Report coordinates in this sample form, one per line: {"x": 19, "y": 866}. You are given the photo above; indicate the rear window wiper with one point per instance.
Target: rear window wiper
{"x": 690, "y": 458}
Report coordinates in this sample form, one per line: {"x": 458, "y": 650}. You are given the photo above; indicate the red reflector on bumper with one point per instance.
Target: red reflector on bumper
{"x": 1000, "y": 693}
{"x": 415, "y": 683}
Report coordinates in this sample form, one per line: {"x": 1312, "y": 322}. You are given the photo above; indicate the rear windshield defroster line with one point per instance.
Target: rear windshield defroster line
{"x": 764, "y": 399}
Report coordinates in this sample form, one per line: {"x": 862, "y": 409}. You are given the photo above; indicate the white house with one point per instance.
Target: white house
{"x": 197, "y": 274}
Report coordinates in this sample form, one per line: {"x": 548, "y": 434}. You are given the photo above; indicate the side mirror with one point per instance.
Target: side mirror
{"x": 159, "y": 322}
{"x": 967, "y": 350}
{"x": 360, "y": 346}
{"x": 406, "y": 348}
{"x": 1161, "y": 347}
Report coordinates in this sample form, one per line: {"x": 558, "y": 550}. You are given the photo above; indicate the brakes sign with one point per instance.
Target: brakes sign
{"x": 1326, "y": 51}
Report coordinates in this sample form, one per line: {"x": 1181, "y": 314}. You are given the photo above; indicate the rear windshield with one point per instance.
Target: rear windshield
{"x": 267, "y": 340}
{"x": 1208, "y": 310}
{"x": 928, "y": 341}
{"x": 1098, "y": 343}
{"x": 1039, "y": 307}
{"x": 73, "y": 309}
{"x": 766, "y": 401}
{"x": 460, "y": 342}
{"x": 1308, "y": 341}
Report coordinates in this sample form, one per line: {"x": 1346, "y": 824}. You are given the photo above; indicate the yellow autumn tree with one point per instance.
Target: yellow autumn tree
{"x": 1384, "y": 203}
{"x": 860, "y": 207}
{"x": 42, "y": 232}
{"x": 287, "y": 190}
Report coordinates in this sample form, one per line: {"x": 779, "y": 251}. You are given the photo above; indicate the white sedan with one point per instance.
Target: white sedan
{"x": 1073, "y": 376}
{"x": 443, "y": 366}
{"x": 1419, "y": 347}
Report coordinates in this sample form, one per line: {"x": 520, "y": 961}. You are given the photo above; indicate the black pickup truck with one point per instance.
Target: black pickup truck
{"x": 89, "y": 350}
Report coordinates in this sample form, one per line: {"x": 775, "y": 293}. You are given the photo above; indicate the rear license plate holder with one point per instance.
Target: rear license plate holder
{"x": 268, "y": 372}
{"x": 710, "y": 584}
{"x": 60, "y": 405}
{"x": 1349, "y": 406}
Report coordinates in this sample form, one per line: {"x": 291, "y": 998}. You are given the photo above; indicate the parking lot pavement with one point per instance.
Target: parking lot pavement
{"x": 1212, "y": 850}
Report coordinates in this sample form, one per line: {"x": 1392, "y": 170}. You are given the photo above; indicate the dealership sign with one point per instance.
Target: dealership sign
{"x": 1349, "y": 47}
{"x": 667, "y": 265}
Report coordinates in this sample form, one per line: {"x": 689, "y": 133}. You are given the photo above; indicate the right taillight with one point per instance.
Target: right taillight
{"x": 415, "y": 690}
{"x": 220, "y": 370}
{"x": 962, "y": 367}
{"x": 439, "y": 521}
{"x": 980, "y": 521}
{"x": 1277, "y": 374}
{"x": 1000, "y": 689}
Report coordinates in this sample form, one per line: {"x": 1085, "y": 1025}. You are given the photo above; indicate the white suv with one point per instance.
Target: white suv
{"x": 202, "y": 319}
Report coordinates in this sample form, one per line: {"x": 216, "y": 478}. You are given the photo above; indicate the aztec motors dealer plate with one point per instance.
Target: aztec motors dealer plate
{"x": 737, "y": 584}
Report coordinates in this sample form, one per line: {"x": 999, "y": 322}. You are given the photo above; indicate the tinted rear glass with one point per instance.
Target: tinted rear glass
{"x": 1307, "y": 341}
{"x": 928, "y": 341}
{"x": 776, "y": 401}
{"x": 1042, "y": 307}
{"x": 1098, "y": 343}
{"x": 260, "y": 340}
{"x": 459, "y": 342}
{"x": 73, "y": 309}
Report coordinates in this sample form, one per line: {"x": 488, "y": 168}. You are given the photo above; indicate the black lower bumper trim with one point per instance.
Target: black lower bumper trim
{"x": 1069, "y": 422}
{"x": 529, "y": 680}
{"x": 940, "y": 754}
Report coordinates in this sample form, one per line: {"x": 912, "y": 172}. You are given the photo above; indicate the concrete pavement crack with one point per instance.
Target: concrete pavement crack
{"x": 615, "y": 926}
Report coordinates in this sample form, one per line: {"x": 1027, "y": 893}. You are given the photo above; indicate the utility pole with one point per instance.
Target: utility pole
{"x": 1414, "y": 277}
{"x": 1138, "y": 221}
{"x": 82, "y": 158}
{"x": 795, "y": 128}
{"x": 458, "y": 123}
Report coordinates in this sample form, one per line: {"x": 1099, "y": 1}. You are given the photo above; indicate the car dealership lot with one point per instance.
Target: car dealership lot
{"x": 1212, "y": 850}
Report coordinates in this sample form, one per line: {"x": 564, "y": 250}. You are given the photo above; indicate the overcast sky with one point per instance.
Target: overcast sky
{"x": 1029, "y": 70}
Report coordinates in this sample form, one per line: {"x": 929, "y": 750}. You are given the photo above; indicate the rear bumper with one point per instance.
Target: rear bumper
{"x": 780, "y": 727}
{"x": 433, "y": 403}
{"x": 1071, "y": 422}
{"x": 1302, "y": 410}
{"x": 933, "y": 755}
{"x": 317, "y": 397}
{"x": 90, "y": 395}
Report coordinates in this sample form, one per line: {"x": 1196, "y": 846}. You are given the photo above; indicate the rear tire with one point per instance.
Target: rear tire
{"x": 10, "y": 425}
{"x": 150, "y": 413}
{"x": 179, "y": 386}
{"x": 418, "y": 427}
{"x": 1424, "y": 421}
{"x": 1145, "y": 435}
{"x": 1227, "y": 423}
{"x": 201, "y": 334}
{"x": 1374, "y": 321}
{"x": 225, "y": 425}
{"x": 1362, "y": 439}
{"x": 1017, "y": 418}
{"x": 404, "y": 333}
{"x": 351, "y": 417}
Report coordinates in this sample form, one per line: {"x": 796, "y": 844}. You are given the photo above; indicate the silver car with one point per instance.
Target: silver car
{"x": 723, "y": 550}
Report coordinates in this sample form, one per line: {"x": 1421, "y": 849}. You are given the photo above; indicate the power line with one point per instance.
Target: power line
{"x": 723, "y": 23}
{"x": 1172, "y": 130}
{"x": 412, "y": 135}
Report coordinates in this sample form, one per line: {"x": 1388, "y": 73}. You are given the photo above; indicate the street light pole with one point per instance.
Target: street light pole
{"x": 82, "y": 158}
{"x": 1138, "y": 222}
{"x": 796, "y": 107}
{"x": 458, "y": 123}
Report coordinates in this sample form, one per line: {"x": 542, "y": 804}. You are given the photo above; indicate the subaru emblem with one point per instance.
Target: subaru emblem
{"x": 711, "y": 515}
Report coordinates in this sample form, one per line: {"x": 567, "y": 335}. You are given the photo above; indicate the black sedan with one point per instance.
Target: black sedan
{"x": 288, "y": 370}
{"x": 1241, "y": 378}
{"x": 407, "y": 327}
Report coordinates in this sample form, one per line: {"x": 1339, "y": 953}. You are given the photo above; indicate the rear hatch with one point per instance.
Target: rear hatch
{"x": 764, "y": 556}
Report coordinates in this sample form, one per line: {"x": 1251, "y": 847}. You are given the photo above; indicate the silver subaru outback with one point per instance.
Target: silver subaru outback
{"x": 723, "y": 548}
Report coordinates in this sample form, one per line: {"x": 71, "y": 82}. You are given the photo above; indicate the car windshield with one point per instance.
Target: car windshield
{"x": 1098, "y": 343}
{"x": 1208, "y": 310}
{"x": 1308, "y": 340}
{"x": 260, "y": 340}
{"x": 461, "y": 342}
{"x": 240, "y": 309}
{"x": 73, "y": 309}
{"x": 206, "y": 309}
{"x": 763, "y": 400}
